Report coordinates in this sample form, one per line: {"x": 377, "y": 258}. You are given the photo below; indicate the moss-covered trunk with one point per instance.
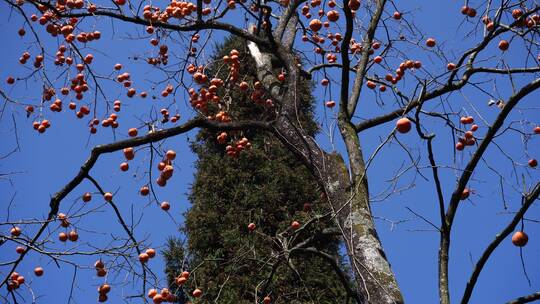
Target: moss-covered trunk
{"x": 375, "y": 279}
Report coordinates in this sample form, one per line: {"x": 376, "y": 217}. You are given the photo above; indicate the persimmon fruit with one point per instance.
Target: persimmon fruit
{"x": 520, "y": 239}
{"x": 197, "y": 293}
{"x": 403, "y": 125}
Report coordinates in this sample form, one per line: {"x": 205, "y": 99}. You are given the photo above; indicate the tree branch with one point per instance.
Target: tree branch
{"x": 528, "y": 200}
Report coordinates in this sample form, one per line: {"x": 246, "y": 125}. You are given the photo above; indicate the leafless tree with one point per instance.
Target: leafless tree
{"x": 284, "y": 35}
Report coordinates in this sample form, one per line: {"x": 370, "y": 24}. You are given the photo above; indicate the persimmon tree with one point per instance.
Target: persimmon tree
{"x": 374, "y": 67}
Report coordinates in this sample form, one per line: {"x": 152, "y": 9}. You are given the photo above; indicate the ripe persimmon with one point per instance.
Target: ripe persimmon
{"x": 158, "y": 299}
{"x": 430, "y": 42}
{"x": 180, "y": 281}
{"x": 38, "y": 271}
{"x": 107, "y": 196}
{"x": 165, "y": 206}
{"x": 15, "y": 231}
{"x": 152, "y": 293}
{"x": 354, "y": 4}
{"x": 124, "y": 166}
{"x": 171, "y": 155}
{"x": 403, "y": 125}
{"x": 151, "y": 252}
{"x": 129, "y": 153}
{"x": 197, "y": 293}
{"x": 73, "y": 236}
{"x": 332, "y": 15}
{"x": 504, "y": 45}
{"x": 99, "y": 264}
{"x": 520, "y": 239}
{"x": 295, "y": 225}
{"x": 104, "y": 288}
{"x": 143, "y": 257}
{"x": 315, "y": 25}
{"x": 465, "y": 194}
{"x": 251, "y": 227}
{"x": 144, "y": 190}
{"x": 62, "y": 236}
{"x": 133, "y": 132}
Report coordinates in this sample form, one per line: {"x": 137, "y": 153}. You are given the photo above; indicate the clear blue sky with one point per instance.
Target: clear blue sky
{"x": 46, "y": 162}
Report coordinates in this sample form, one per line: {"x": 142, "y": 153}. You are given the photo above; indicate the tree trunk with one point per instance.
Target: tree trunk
{"x": 350, "y": 200}
{"x": 375, "y": 279}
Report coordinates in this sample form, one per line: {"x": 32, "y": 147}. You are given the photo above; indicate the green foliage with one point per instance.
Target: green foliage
{"x": 267, "y": 186}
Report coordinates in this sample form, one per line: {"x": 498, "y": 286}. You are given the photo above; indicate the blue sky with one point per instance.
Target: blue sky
{"x": 44, "y": 163}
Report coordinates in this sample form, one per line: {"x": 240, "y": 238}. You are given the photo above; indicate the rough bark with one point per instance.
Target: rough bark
{"x": 349, "y": 198}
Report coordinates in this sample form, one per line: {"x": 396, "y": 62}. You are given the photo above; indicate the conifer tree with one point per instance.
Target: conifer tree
{"x": 266, "y": 186}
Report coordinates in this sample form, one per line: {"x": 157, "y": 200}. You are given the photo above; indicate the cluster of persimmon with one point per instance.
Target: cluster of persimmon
{"x": 529, "y": 21}
{"x": 332, "y": 15}
{"x": 167, "y": 117}
{"x": 99, "y": 266}
{"x": 63, "y": 236}
{"x": 125, "y": 80}
{"x": 233, "y": 61}
{"x": 333, "y": 38}
{"x": 16, "y": 232}
{"x": 235, "y": 148}
{"x": 103, "y": 290}
{"x": 468, "y": 137}
{"x": 163, "y": 56}
{"x": 182, "y": 278}
{"x": 164, "y": 296}
{"x": 168, "y": 90}
{"x": 148, "y": 254}
{"x": 38, "y": 62}
{"x": 199, "y": 99}
{"x": 221, "y": 116}
{"x": 222, "y": 138}
{"x": 166, "y": 169}
{"x": 257, "y": 96}
{"x": 198, "y": 73}
{"x": 175, "y": 9}
{"x": 79, "y": 84}
{"x": 400, "y": 71}
{"x": 468, "y": 11}
{"x": 110, "y": 121}
{"x": 42, "y": 126}
{"x": 15, "y": 281}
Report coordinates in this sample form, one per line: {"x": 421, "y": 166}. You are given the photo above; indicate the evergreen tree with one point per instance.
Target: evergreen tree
{"x": 266, "y": 186}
